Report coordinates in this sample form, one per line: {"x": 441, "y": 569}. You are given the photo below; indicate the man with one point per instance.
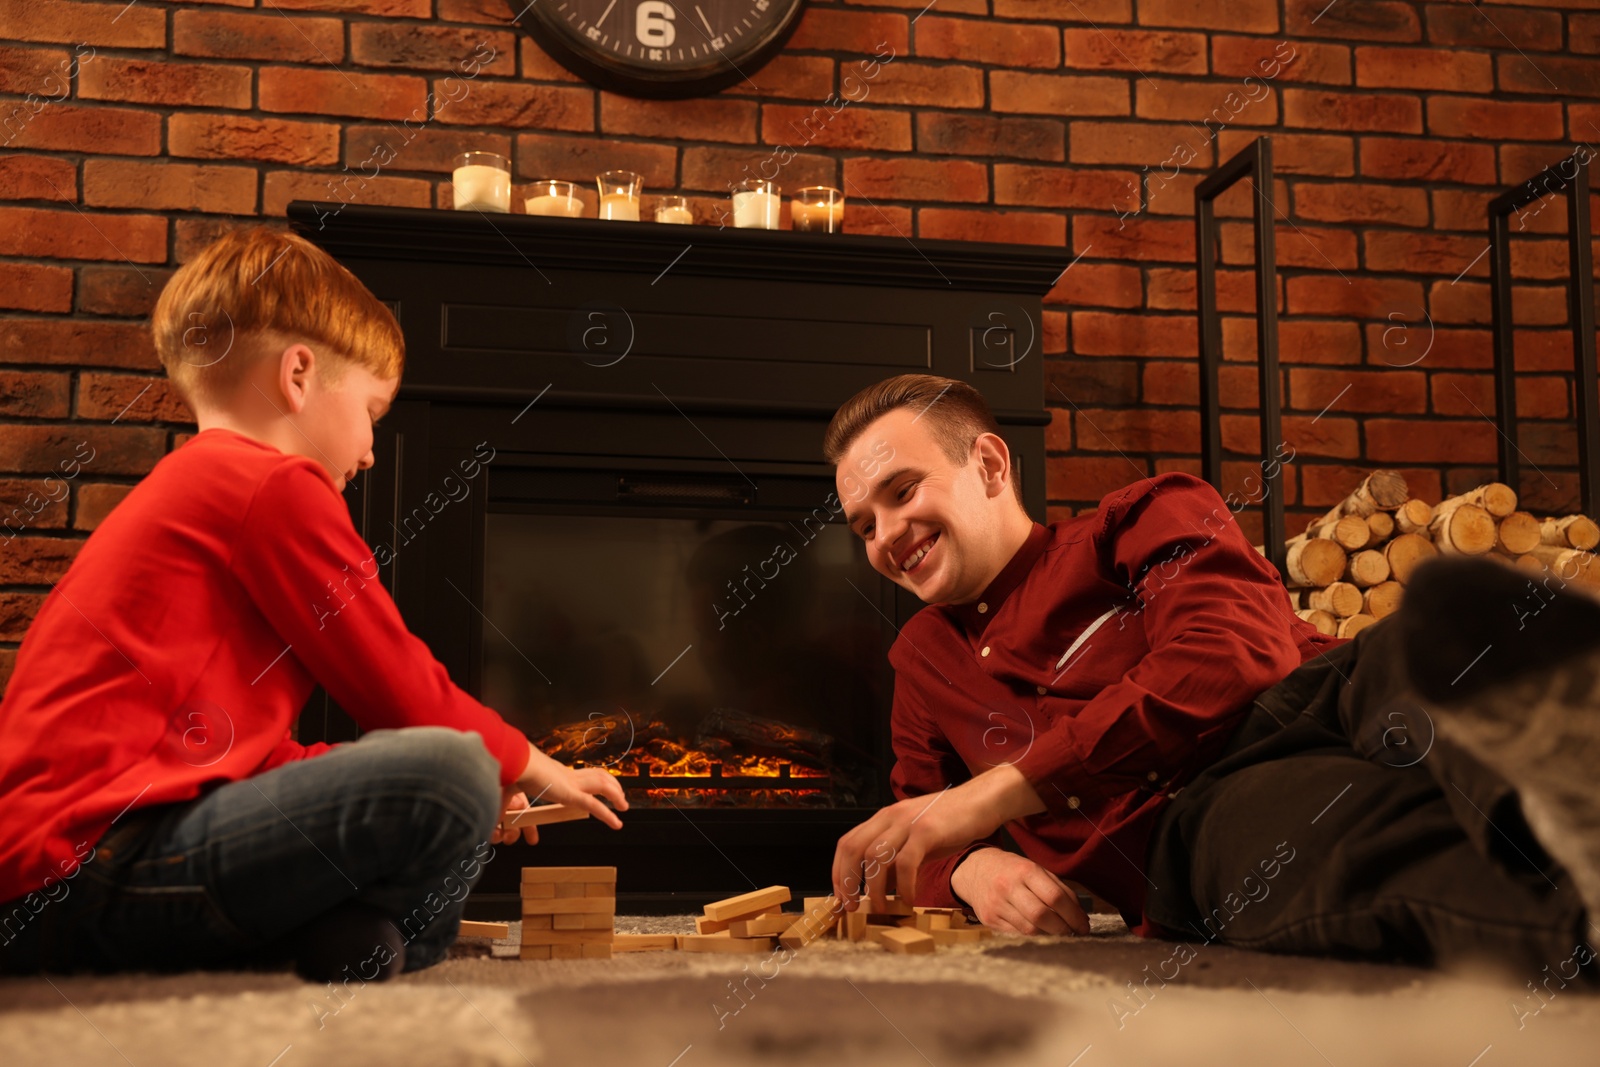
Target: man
{"x": 1130, "y": 695}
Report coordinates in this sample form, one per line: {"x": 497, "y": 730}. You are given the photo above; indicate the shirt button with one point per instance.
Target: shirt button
{"x": 1151, "y": 776}
{"x": 1043, "y": 690}
{"x": 982, "y": 608}
{"x": 985, "y": 651}
{"x": 1072, "y": 802}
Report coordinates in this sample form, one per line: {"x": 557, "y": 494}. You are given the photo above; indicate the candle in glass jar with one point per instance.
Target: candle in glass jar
{"x": 479, "y": 187}
{"x": 619, "y": 206}
{"x": 756, "y": 210}
{"x": 675, "y": 214}
{"x": 819, "y": 218}
{"x": 561, "y": 206}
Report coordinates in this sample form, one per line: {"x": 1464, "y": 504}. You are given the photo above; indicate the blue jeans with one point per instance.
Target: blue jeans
{"x": 399, "y": 820}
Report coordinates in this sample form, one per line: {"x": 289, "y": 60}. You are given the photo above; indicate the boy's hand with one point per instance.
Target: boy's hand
{"x": 549, "y": 780}
{"x": 512, "y": 798}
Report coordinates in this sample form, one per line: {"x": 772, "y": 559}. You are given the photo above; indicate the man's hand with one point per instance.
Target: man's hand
{"x": 512, "y": 798}
{"x": 904, "y": 836}
{"x": 1013, "y": 894}
{"x": 546, "y": 779}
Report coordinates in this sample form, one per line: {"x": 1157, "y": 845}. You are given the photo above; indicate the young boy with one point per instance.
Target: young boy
{"x": 155, "y": 811}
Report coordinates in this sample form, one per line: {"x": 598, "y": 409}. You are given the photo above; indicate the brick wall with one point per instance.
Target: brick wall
{"x": 136, "y": 132}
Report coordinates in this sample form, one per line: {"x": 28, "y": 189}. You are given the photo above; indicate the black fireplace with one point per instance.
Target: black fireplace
{"x": 606, "y": 510}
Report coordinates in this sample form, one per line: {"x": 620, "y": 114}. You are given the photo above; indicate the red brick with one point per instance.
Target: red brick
{"x": 173, "y": 84}
{"x": 926, "y": 84}
{"x": 37, "y": 178}
{"x": 37, "y": 560}
{"x": 1359, "y": 20}
{"x": 882, "y": 219}
{"x": 1318, "y": 154}
{"x": 130, "y": 398}
{"x": 1060, "y": 186}
{"x": 107, "y": 25}
{"x": 1161, "y": 147}
{"x": 512, "y": 104}
{"x": 1458, "y": 209}
{"x": 1430, "y": 441}
{"x": 1086, "y": 284}
{"x": 1104, "y": 12}
{"x": 1357, "y": 202}
{"x": 1466, "y": 24}
{"x": 205, "y": 136}
{"x": 1458, "y": 116}
{"x": 43, "y": 71}
{"x": 1006, "y": 227}
{"x": 1324, "y": 110}
{"x": 1267, "y": 59}
{"x": 8, "y": 664}
{"x": 1104, "y": 333}
{"x": 35, "y": 287}
{"x": 1173, "y": 288}
{"x": 1469, "y": 302}
{"x": 1473, "y": 394}
{"x": 1466, "y": 162}
{"x": 236, "y": 35}
{"x": 31, "y": 504}
{"x": 1178, "y": 383}
{"x": 1246, "y": 16}
{"x": 16, "y": 614}
{"x": 39, "y": 448}
{"x": 1410, "y": 339}
{"x": 429, "y": 148}
{"x": 95, "y": 501}
{"x": 916, "y": 179}
{"x": 1426, "y": 253}
{"x": 536, "y": 65}
{"x": 410, "y": 9}
{"x": 279, "y": 187}
{"x": 78, "y": 235}
{"x": 1550, "y": 76}
{"x": 1521, "y": 162}
{"x": 1134, "y": 238}
{"x": 1296, "y": 246}
{"x": 169, "y": 186}
{"x": 1423, "y": 68}
{"x": 1384, "y": 391}
{"x": 75, "y": 342}
{"x": 1091, "y": 477}
{"x": 1306, "y": 434}
{"x": 719, "y": 168}
{"x": 984, "y": 135}
{"x": 464, "y": 51}
{"x": 1057, "y": 95}
{"x": 855, "y": 32}
{"x": 122, "y": 291}
{"x": 367, "y": 96}
{"x": 965, "y": 7}
{"x": 1001, "y": 44}
{"x": 33, "y": 394}
{"x": 824, "y": 127}
{"x": 542, "y": 155}
{"x": 1142, "y": 430}
{"x": 1094, "y": 382}
{"x": 1205, "y": 101}
{"x": 1584, "y": 32}
{"x": 111, "y": 130}
{"x": 1543, "y": 350}
{"x": 1353, "y": 297}
{"x": 1325, "y": 484}
{"x": 1299, "y": 341}
{"x": 1140, "y": 51}
{"x": 1532, "y": 259}
{"x": 795, "y": 77}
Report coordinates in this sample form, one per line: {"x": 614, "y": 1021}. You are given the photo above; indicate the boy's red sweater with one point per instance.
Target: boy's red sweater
{"x": 185, "y": 638}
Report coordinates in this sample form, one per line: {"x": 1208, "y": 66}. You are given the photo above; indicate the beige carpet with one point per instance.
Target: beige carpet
{"x": 1012, "y": 1001}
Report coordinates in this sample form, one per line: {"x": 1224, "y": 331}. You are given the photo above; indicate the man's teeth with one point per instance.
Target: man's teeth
{"x": 916, "y": 557}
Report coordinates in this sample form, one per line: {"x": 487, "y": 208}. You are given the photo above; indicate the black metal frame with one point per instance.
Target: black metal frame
{"x": 1580, "y": 311}
{"x": 1255, "y": 163}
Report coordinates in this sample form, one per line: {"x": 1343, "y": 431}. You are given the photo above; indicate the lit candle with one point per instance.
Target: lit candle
{"x": 821, "y": 218}
{"x": 674, "y": 209}
{"x": 619, "y": 206}
{"x": 482, "y": 182}
{"x": 756, "y": 210}
{"x": 561, "y": 206}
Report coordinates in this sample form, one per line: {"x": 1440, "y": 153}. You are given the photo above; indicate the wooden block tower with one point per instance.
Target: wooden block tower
{"x": 568, "y": 913}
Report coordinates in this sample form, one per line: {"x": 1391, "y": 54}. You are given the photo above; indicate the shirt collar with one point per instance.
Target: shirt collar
{"x": 974, "y": 616}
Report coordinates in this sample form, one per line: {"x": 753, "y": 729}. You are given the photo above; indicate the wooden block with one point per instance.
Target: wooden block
{"x": 854, "y": 925}
{"x": 534, "y": 952}
{"x": 596, "y": 952}
{"x": 566, "y": 937}
{"x": 967, "y": 935}
{"x": 567, "y": 952}
{"x": 599, "y": 889}
{"x": 818, "y": 920}
{"x": 747, "y": 904}
{"x": 537, "y": 922}
{"x": 903, "y": 940}
{"x": 908, "y": 922}
{"x": 644, "y": 943}
{"x": 571, "y": 889}
{"x": 540, "y": 815}
{"x": 892, "y": 905}
{"x": 568, "y": 874}
{"x": 538, "y": 890}
{"x": 571, "y": 906}
{"x": 930, "y": 921}
{"x": 715, "y": 943}
{"x": 472, "y": 929}
{"x": 704, "y": 925}
{"x": 762, "y": 925}
{"x": 569, "y": 921}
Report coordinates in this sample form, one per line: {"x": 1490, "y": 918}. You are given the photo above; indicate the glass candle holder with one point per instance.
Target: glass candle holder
{"x": 482, "y": 182}
{"x": 547, "y": 196}
{"x": 817, "y": 209}
{"x": 674, "y": 209}
{"x": 619, "y": 195}
{"x": 756, "y": 204}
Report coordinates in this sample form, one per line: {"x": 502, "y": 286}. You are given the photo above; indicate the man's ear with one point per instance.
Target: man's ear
{"x": 994, "y": 463}
{"x": 295, "y": 366}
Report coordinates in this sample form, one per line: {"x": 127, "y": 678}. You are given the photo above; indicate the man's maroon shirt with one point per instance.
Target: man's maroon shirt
{"x": 1173, "y": 622}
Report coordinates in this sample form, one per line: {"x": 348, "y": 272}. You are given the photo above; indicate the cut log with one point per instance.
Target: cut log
{"x": 1405, "y": 553}
{"x": 1574, "y": 531}
{"x": 1355, "y": 624}
{"x": 1337, "y": 598}
{"x": 1519, "y": 533}
{"x": 1413, "y": 517}
{"x": 1496, "y": 498}
{"x": 1382, "y": 599}
{"x": 1324, "y": 622}
{"x": 1382, "y": 490}
{"x": 1349, "y": 531}
{"x": 1314, "y": 560}
{"x": 1462, "y": 528}
{"x": 1368, "y": 567}
{"x": 1569, "y": 564}
{"x": 1381, "y": 524}
{"x": 1530, "y": 564}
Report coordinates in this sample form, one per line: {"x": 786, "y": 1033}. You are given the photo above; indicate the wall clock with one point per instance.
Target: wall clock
{"x": 660, "y": 48}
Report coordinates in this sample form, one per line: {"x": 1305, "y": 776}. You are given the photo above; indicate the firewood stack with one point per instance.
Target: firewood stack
{"x": 1350, "y": 567}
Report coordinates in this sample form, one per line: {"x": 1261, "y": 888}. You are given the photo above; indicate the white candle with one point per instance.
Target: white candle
{"x": 561, "y": 206}
{"x": 821, "y": 218}
{"x": 680, "y": 215}
{"x": 756, "y": 210}
{"x": 482, "y": 188}
{"x": 619, "y": 206}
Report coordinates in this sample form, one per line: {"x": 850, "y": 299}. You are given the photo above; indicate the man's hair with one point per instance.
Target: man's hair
{"x": 955, "y": 413}
{"x": 254, "y": 292}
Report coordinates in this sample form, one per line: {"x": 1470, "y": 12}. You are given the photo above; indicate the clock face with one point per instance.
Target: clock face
{"x": 661, "y": 48}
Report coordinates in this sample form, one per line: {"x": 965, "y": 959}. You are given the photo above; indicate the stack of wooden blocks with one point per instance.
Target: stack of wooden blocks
{"x": 568, "y": 913}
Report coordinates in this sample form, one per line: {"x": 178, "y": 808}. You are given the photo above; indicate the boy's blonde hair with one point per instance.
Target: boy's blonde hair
{"x": 254, "y": 292}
